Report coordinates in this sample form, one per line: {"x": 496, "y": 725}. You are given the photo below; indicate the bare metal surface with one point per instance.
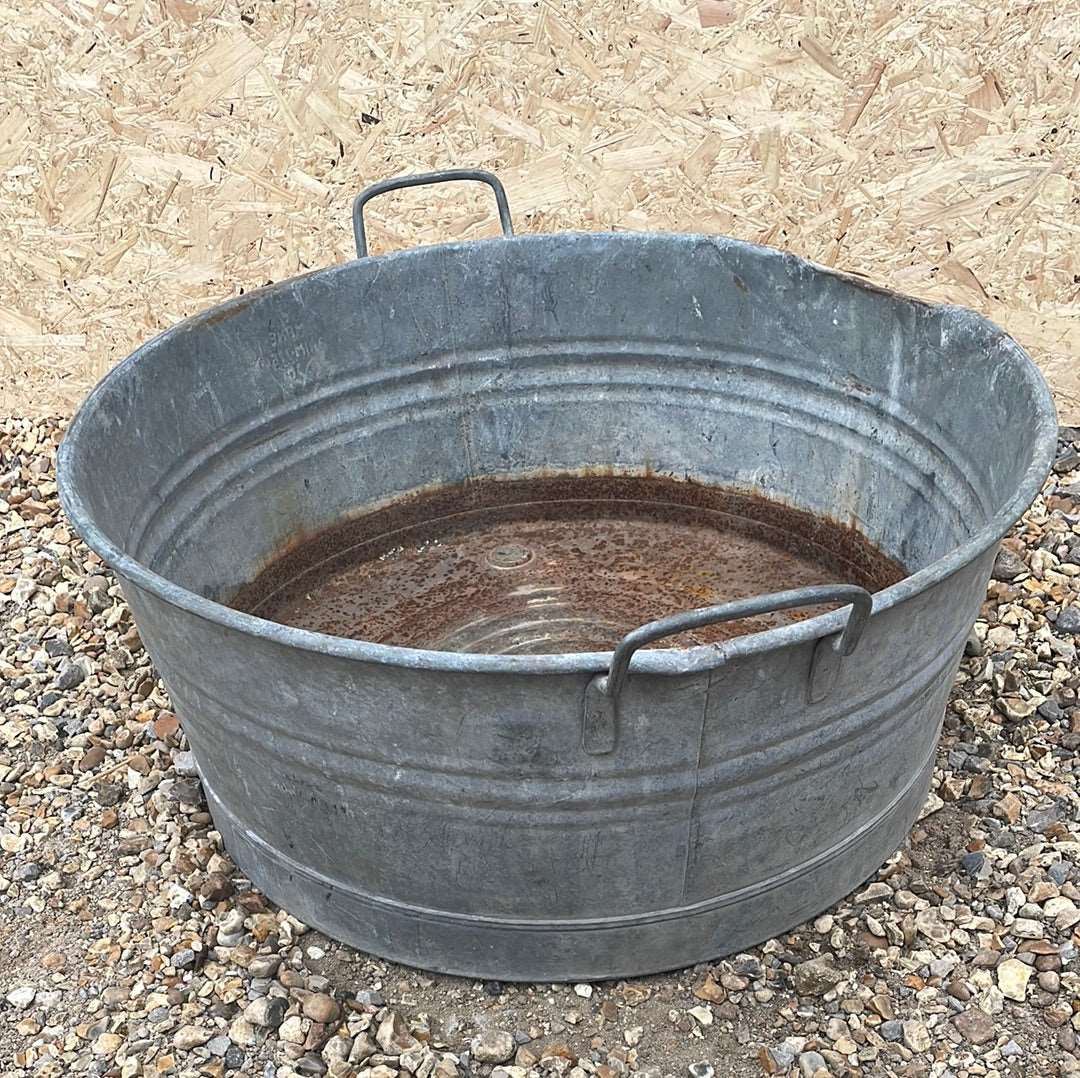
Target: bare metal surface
{"x": 600, "y": 717}
{"x": 420, "y": 180}
{"x": 733, "y": 804}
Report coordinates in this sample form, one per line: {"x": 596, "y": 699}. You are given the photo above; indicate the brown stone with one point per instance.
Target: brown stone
{"x": 882, "y": 1006}
{"x": 166, "y": 725}
{"x": 870, "y": 941}
{"x": 768, "y": 1064}
{"x": 953, "y": 788}
{"x": 710, "y": 991}
{"x": 320, "y": 1007}
{"x": 633, "y": 994}
{"x": 558, "y": 1051}
{"x": 91, "y": 758}
{"x": 393, "y": 1036}
{"x": 262, "y": 924}
{"x": 1041, "y": 890}
{"x": 316, "y": 1036}
{"x": 1008, "y": 808}
{"x": 1057, "y": 1015}
{"x": 54, "y": 961}
{"x": 975, "y": 1025}
{"x": 1040, "y": 947}
{"x": 216, "y": 887}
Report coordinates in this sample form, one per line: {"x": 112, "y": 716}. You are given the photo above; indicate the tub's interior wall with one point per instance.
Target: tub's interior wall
{"x": 704, "y": 358}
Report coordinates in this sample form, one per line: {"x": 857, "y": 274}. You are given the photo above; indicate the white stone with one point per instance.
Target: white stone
{"x": 1012, "y": 978}
{"x": 21, "y": 998}
{"x": 292, "y": 1030}
{"x": 701, "y": 1015}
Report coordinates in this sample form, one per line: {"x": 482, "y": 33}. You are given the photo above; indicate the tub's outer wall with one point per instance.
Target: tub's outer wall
{"x": 438, "y": 809}
{"x": 452, "y": 822}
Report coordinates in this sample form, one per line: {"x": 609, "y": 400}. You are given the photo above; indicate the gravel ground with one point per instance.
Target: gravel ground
{"x": 130, "y": 944}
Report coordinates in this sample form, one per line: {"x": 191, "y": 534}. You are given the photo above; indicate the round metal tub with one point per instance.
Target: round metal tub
{"x": 579, "y": 815}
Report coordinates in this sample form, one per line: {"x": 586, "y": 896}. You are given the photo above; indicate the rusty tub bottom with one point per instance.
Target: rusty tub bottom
{"x": 556, "y": 564}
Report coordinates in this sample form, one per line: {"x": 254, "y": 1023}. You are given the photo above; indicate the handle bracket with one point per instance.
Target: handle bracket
{"x": 600, "y": 714}
{"x": 420, "y": 180}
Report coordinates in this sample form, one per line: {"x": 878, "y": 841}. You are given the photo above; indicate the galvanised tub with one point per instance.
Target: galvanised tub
{"x": 571, "y": 815}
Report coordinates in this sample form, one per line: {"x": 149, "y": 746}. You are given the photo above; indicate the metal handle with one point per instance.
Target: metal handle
{"x": 418, "y": 181}
{"x": 600, "y": 718}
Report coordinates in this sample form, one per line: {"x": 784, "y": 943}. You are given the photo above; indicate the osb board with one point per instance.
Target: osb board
{"x": 157, "y": 156}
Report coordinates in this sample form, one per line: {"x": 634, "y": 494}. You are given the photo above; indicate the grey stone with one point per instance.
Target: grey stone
{"x": 1050, "y": 710}
{"x": 218, "y": 1046}
{"x": 1066, "y": 460}
{"x": 184, "y": 959}
{"x": 267, "y": 1012}
{"x": 264, "y": 965}
{"x": 109, "y": 795}
{"x": 184, "y": 763}
{"x": 70, "y": 675}
{"x": 233, "y": 922}
{"x": 783, "y": 1056}
{"x": 363, "y": 1048}
{"x": 816, "y": 977}
{"x": 1040, "y": 819}
{"x": 973, "y": 862}
{"x": 747, "y": 966}
{"x": 891, "y": 1030}
{"x": 23, "y": 591}
{"x": 369, "y": 998}
{"x": 700, "y": 1070}
{"x": 186, "y": 791}
{"x": 493, "y": 1046}
{"x": 1008, "y": 566}
{"x": 1068, "y": 620}
{"x": 810, "y": 1063}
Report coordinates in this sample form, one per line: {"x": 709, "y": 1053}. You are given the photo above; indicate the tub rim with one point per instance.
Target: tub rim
{"x": 1043, "y": 423}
